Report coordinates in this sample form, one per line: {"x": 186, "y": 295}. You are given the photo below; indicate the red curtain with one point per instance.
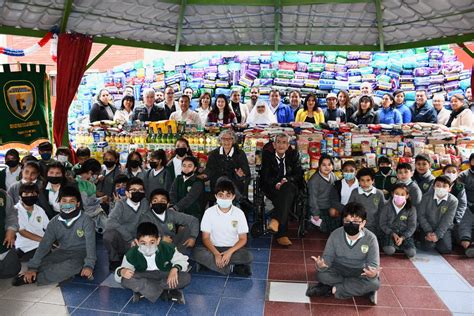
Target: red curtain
{"x": 73, "y": 54}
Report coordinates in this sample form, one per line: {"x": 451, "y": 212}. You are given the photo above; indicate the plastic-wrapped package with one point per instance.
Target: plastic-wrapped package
{"x": 465, "y": 74}
{"x": 329, "y": 67}
{"x": 267, "y": 73}
{"x": 245, "y": 82}
{"x": 304, "y": 57}
{"x": 284, "y": 65}
{"x": 277, "y": 56}
{"x": 302, "y": 67}
{"x": 296, "y": 83}
{"x": 286, "y": 74}
{"x": 433, "y": 88}
{"x": 291, "y": 57}
{"x": 328, "y": 75}
{"x": 421, "y": 71}
{"x": 341, "y": 60}
{"x": 341, "y": 75}
{"x": 436, "y": 79}
{"x": 318, "y": 59}
{"x": 265, "y": 58}
{"x": 310, "y": 83}
{"x": 354, "y": 79}
{"x": 422, "y": 81}
{"x": 326, "y": 84}
{"x": 210, "y": 76}
{"x": 316, "y": 67}
{"x": 314, "y": 75}
{"x": 222, "y": 84}
{"x": 453, "y": 92}
{"x": 464, "y": 84}
{"x": 330, "y": 57}
{"x": 452, "y": 85}
{"x": 301, "y": 75}
{"x": 281, "y": 81}
{"x": 365, "y": 55}
{"x": 341, "y": 85}
{"x": 451, "y": 77}
{"x": 353, "y": 55}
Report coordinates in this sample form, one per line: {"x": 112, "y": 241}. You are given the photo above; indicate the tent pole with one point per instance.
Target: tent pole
{"x": 182, "y": 10}
{"x": 466, "y": 49}
{"x": 67, "y": 12}
{"x": 378, "y": 8}
{"x": 102, "y": 52}
{"x": 277, "y": 24}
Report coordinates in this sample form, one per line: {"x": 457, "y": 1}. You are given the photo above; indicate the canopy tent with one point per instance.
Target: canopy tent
{"x": 203, "y": 25}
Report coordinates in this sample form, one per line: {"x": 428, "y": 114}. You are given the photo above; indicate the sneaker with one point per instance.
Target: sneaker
{"x": 177, "y": 296}
{"x": 319, "y": 289}
{"x": 136, "y": 297}
{"x": 19, "y": 280}
{"x": 373, "y": 297}
{"x": 243, "y": 270}
{"x": 113, "y": 265}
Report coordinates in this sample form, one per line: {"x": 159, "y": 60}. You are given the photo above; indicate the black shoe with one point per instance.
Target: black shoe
{"x": 136, "y": 297}
{"x": 319, "y": 289}
{"x": 113, "y": 265}
{"x": 373, "y": 297}
{"x": 243, "y": 270}
{"x": 165, "y": 296}
{"x": 470, "y": 252}
{"x": 19, "y": 280}
{"x": 176, "y": 296}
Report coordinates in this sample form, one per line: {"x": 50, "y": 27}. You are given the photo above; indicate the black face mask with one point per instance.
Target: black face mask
{"x": 351, "y": 229}
{"x": 153, "y": 164}
{"x": 109, "y": 164}
{"x": 159, "y": 208}
{"x": 54, "y": 180}
{"x": 385, "y": 170}
{"x": 29, "y": 200}
{"x": 472, "y": 168}
{"x": 67, "y": 216}
{"x": 137, "y": 196}
{"x": 12, "y": 163}
{"x": 134, "y": 163}
{"x": 188, "y": 174}
{"x": 181, "y": 152}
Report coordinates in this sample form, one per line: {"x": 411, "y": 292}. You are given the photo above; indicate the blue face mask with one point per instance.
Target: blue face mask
{"x": 348, "y": 176}
{"x": 224, "y": 203}
{"x": 46, "y": 156}
{"x": 121, "y": 191}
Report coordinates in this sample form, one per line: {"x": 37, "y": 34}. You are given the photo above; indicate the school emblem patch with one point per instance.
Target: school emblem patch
{"x": 403, "y": 218}
{"x": 234, "y": 224}
{"x": 38, "y": 219}
{"x": 393, "y": 180}
{"x": 364, "y": 248}
{"x": 2, "y": 202}
{"x": 189, "y": 189}
{"x": 376, "y": 201}
{"x": 426, "y": 186}
{"x": 170, "y": 226}
{"x": 20, "y": 98}
{"x": 444, "y": 209}
{"x": 80, "y": 233}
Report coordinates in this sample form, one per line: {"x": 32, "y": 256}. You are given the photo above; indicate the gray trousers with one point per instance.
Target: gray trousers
{"x": 183, "y": 234}
{"x": 203, "y": 256}
{"x": 443, "y": 245}
{"x": 114, "y": 243}
{"x": 60, "y": 265}
{"x": 463, "y": 230}
{"x": 348, "y": 282}
{"x": 152, "y": 283}
{"x": 10, "y": 266}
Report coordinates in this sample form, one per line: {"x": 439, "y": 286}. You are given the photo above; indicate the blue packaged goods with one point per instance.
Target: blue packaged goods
{"x": 422, "y": 81}
{"x": 281, "y": 81}
{"x": 341, "y": 68}
{"x": 341, "y": 75}
{"x": 436, "y": 79}
{"x": 265, "y": 59}
{"x": 328, "y": 75}
{"x": 341, "y": 85}
{"x": 326, "y": 84}
{"x": 453, "y": 92}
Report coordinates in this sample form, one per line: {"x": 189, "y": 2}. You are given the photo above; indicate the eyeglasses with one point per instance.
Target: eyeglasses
{"x": 353, "y": 222}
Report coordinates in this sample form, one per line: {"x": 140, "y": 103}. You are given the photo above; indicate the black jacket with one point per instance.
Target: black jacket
{"x": 371, "y": 117}
{"x": 269, "y": 173}
{"x": 99, "y": 112}
{"x": 220, "y": 165}
{"x": 156, "y": 114}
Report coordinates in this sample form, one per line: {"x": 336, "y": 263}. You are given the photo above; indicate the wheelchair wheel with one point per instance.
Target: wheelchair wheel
{"x": 257, "y": 229}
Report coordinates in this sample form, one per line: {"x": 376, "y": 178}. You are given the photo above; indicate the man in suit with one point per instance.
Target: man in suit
{"x": 149, "y": 112}
{"x": 282, "y": 177}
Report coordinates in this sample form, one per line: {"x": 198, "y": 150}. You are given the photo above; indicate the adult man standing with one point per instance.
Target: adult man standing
{"x": 186, "y": 114}
{"x": 366, "y": 89}
{"x": 254, "y": 94}
{"x": 332, "y": 112}
{"x": 282, "y": 112}
{"x": 149, "y": 112}
{"x": 421, "y": 110}
{"x": 295, "y": 101}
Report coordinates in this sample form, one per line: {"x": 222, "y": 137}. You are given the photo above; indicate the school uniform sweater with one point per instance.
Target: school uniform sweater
{"x": 434, "y": 217}
{"x": 125, "y": 219}
{"x": 372, "y": 203}
{"x": 8, "y": 218}
{"x": 403, "y": 224}
{"x": 386, "y": 182}
{"x": 165, "y": 258}
{"x": 425, "y": 181}
{"x": 415, "y": 193}
{"x": 167, "y": 227}
{"x": 363, "y": 253}
{"x": 162, "y": 180}
{"x": 322, "y": 193}
{"x": 79, "y": 237}
{"x": 184, "y": 195}
{"x": 106, "y": 185}
{"x": 459, "y": 192}
{"x": 467, "y": 178}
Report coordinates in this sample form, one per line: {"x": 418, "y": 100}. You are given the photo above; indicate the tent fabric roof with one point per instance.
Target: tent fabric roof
{"x": 187, "y": 25}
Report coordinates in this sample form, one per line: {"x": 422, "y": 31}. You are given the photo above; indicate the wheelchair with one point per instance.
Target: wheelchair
{"x": 261, "y": 204}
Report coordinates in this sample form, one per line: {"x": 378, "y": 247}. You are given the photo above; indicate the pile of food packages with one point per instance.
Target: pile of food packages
{"x": 363, "y": 144}
{"x": 435, "y": 69}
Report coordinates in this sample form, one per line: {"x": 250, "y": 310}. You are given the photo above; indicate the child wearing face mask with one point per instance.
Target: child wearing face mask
{"x": 157, "y": 177}
{"x": 398, "y": 223}
{"x": 32, "y": 221}
{"x": 153, "y": 268}
{"x": 224, "y": 235}
{"x": 404, "y": 175}
{"x": 348, "y": 183}
{"x": 134, "y": 165}
{"x": 182, "y": 150}
{"x": 10, "y": 175}
{"x": 187, "y": 189}
{"x": 120, "y": 189}
{"x": 463, "y": 220}
{"x": 123, "y": 220}
{"x": 45, "y": 149}
{"x": 436, "y": 215}
{"x": 110, "y": 171}
{"x": 370, "y": 197}
{"x": 422, "y": 175}
{"x": 385, "y": 177}
{"x": 467, "y": 178}
{"x": 176, "y": 228}
{"x": 74, "y": 233}
{"x": 29, "y": 173}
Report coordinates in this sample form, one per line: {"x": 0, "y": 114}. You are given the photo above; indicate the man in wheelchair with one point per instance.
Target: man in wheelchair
{"x": 282, "y": 178}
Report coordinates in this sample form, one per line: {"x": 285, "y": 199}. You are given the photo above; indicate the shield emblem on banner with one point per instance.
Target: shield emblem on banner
{"x": 20, "y": 98}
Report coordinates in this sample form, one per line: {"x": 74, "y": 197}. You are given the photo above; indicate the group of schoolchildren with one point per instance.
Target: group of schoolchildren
{"x": 148, "y": 215}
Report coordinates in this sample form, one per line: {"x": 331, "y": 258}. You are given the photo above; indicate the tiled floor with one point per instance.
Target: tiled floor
{"x": 428, "y": 285}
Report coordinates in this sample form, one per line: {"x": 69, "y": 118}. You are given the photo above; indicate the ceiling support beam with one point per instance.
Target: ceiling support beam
{"x": 433, "y": 42}
{"x": 277, "y": 24}
{"x": 378, "y": 8}
{"x": 67, "y": 12}
{"x": 264, "y": 2}
{"x": 182, "y": 10}
{"x": 102, "y": 52}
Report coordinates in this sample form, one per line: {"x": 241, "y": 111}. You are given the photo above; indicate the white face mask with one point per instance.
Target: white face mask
{"x": 452, "y": 176}
{"x": 23, "y": 181}
{"x": 222, "y": 203}
{"x": 148, "y": 250}
{"x": 441, "y": 192}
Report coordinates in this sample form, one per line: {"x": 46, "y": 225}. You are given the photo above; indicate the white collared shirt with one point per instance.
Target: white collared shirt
{"x": 231, "y": 152}
{"x": 36, "y": 223}
{"x": 346, "y": 190}
{"x": 274, "y": 109}
{"x": 352, "y": 242}
{"x": 177, "y": 164}
{"x": 133, "y": 205}
{"x": 11, "y": 177}
{"x": 53, "y": 197}
{"x": 70, "y": 221}
{"x": 224, "y": 228}
{"x": 157, "y": 172}
{"x": 438, "y": 200}
{"x": 278, "y": 158}
{"x": 325, "y": 178}
{"x": 361, "y": 191}
{"x": 398, "y": 209}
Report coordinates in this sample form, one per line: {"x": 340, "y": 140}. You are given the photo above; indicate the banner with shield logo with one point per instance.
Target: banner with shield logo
{"x": 23, "y": 104}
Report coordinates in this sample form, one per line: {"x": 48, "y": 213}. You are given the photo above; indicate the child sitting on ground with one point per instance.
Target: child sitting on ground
{"x": 153, "y": 268}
